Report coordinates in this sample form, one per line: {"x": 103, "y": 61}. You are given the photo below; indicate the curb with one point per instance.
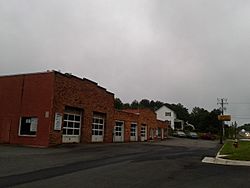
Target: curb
{"x": 215, "y": 160}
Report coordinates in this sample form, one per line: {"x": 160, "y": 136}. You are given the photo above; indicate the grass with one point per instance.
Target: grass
{"x": 241, "y": 153}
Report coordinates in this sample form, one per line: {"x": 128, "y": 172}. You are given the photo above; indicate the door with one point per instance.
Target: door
{"x": 151, "y": 131}
{"x": 5, "y": 125}
{"x": 97, "y": 128}
{"x": 133, "y": 132}
{"x": 162, "y": 133}
{"x": 143, "y": 133}
{"x": 118, "y": 131}
{"x": 71, "y": 127}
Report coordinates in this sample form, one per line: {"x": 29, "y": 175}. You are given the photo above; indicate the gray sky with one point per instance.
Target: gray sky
{"x": 181, "y": 51}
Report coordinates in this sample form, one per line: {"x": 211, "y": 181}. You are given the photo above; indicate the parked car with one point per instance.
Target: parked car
{"x": 208, "y": 136}
{"x": 192, "y": 135}
{"x": 179, "y": 134}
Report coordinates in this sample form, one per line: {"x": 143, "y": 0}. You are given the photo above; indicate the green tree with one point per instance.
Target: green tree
{"x": 181, "y": 111}
{"x": 145, "y": 103}
{"x": 134, "y": 104}
{"x": 205, "y": 121}
{"x": 118, "y": 104}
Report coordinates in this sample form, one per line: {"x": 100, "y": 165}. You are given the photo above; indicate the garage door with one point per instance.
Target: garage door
{"x": 119, "y": 131}
{"x": 143, "y": 133}
{"x": 97, "y": 128}
{"x": 133, "y": 132}
{"x": 71, "y": 127}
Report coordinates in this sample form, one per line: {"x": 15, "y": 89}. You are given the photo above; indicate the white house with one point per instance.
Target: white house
{"x": 164, "y": 113}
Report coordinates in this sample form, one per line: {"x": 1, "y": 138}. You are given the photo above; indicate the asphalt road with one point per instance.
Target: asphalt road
{"x": 171, "y": 163}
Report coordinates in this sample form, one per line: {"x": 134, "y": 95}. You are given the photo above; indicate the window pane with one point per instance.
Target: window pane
{"x": 77, "y": 118}
{"x": 96, "y": 127}
{"x": 70, "y": 132}
{"x": 70, "y": 124}
{"x": 101, "y": 121}
{"x": 71, "y": 117}
{"x": 65, "y": 116}
{"x": 76, "y": 132}
{"x": 77, "y": 125}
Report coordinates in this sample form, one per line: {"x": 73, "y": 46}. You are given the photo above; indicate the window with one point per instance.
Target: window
{"x": 28, "y": 126}
{"x": 167, "y": 113}
{"x": 71, "y": 124}
{"x": 97, "y": 125}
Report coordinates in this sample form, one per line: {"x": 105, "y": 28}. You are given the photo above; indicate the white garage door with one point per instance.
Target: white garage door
{"x": 143, "y": 133}
{"x": 71, "y": 127}
{"x": 97, "y": 128}
{"x": 133, "y": 132}
{"x": 119, "y": 131}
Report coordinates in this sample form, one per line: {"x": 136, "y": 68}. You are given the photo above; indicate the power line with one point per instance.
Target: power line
{"x": 245, "y": 103}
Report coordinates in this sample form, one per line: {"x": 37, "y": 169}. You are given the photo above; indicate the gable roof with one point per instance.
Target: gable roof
{"x": 168, "y": 106}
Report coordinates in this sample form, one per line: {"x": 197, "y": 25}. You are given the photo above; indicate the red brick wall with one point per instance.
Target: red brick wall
{"x": 87, "y": 96}
{"x": 127, "y": 118}
{"x": 26, "y": 95}
{"x": 140, "y": 116}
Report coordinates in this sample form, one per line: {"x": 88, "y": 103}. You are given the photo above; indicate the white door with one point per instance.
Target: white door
{"x": 97, "y": 128}
{"x": 143, "y": 133}
{"x": 71, "y": 127}
{"x": 119, "y": 131}
{"x": 133, "y": 132}
{"x": 162, "y": 133}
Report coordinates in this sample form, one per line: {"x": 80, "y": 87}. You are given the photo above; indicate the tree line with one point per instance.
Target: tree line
{"x": 203, "y": 120}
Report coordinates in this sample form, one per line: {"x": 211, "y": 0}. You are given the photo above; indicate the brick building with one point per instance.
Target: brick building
{"x": 50, "y": 108}
{"x": 140, "y": 125}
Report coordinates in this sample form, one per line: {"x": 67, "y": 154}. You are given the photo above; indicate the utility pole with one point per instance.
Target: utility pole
{"x": 235, "y": 127}
{"x": 222, "y": 102}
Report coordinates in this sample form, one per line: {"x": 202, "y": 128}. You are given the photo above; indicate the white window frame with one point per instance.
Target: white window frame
{"x": 134, "y": 130}
{"x": 20, "y": 124}
{"x": 121, "y": 127}
{"x": 98, "y": 124}
{"x": 74, "y": 122}
{"x": 168, "y": 114}
{"x": 143, "y": 131}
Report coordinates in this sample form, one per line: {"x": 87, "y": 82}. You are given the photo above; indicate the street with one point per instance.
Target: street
{"x": 172, "y": 163}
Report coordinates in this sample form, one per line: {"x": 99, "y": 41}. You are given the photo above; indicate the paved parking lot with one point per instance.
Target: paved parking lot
{"x": 163, "y": 164}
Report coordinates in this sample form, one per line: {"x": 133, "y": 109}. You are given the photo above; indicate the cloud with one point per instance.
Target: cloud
{"x": 176, "y": 51}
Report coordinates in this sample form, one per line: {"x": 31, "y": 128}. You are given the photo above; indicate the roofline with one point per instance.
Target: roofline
{"x": 166, "y": 107}
{"x": 24, "y": 74}
{"x": 69, "y": 75}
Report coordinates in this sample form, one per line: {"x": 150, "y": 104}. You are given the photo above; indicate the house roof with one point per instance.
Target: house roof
{"x": 168, "y": 106}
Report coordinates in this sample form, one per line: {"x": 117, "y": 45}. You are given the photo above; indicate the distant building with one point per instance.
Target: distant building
{"x": 165, "y": 113}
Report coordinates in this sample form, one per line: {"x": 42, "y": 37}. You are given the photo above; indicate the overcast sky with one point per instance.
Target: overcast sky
{"x": 176, "y": 51}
